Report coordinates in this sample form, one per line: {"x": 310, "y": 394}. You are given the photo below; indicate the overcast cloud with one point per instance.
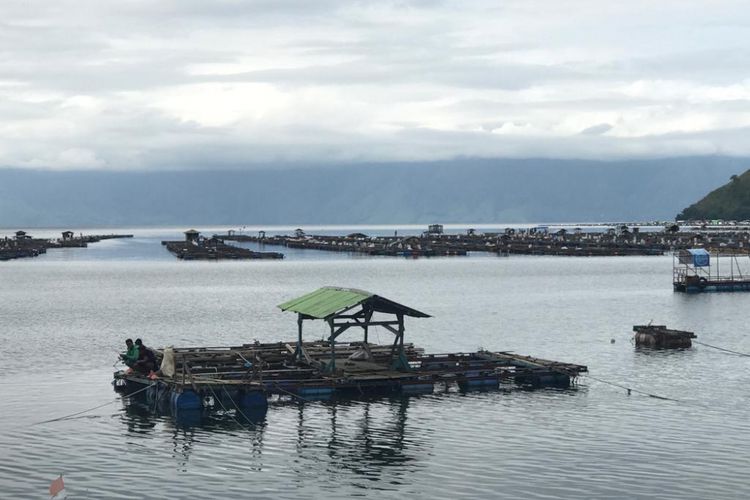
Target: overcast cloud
{"x": 93, "y": 84}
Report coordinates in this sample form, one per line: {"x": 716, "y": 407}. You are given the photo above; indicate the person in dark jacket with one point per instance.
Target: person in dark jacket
{"x": 146, "y": 359}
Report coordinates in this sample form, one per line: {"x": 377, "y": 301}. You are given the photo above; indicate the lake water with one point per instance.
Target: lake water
{"x": 64, "y": 315}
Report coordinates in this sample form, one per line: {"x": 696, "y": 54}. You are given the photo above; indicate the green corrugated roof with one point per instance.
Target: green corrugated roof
{"x": 326, "y": 301}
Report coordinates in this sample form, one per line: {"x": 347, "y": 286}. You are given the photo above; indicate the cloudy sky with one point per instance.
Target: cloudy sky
{"x": 149, "y": 84}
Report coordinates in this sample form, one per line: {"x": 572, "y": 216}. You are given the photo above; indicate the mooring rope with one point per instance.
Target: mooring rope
{"x": 630, "y": 389}
{"x": 238, "y": 408}
{"x": 722, "y": 349}
{"x": 90, "y": 409}
{"x": 244, "y": 358}
{"x": 292, "y": 394}
{"x": 216, "y": 398}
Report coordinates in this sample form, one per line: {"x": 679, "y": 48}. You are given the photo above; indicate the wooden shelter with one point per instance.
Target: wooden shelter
{"x": 344, "y": 308}
{"x": 192, "y": 235}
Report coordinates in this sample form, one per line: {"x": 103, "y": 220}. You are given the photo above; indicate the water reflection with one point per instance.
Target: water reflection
{"x": 139, "y": 418}
{"x": 663, "y": 352}
{"x": 186, "y": 428}
{"x": 375, "y": 441}
{"x": 140, "y": 414}
{"x": 366, "y": 440}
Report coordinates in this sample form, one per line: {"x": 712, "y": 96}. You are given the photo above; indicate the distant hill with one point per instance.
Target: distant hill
{"x": 457, "y": 191}
{"x": 729, "y": 202}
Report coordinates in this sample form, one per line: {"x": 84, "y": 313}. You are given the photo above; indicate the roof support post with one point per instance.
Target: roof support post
{"x": 331, "y": 368}
{"x": 298, "y": 349}
{"x": 368, "y": 317}
{"x": 400, "y": 362}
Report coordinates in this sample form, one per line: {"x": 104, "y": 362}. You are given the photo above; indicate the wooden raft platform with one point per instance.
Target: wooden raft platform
{"x": 247, "y": 375}
{"x": 196, "y": 247}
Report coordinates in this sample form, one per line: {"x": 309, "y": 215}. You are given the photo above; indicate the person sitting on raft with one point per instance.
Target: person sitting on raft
{"x": 131, "y": 355}
{"x": 146, "y": 359}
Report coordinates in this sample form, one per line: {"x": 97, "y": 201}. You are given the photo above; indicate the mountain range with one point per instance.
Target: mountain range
{"x": 456, "y": 191}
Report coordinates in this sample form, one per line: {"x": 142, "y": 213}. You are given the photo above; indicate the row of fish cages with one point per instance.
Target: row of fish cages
{"x": 396, "y": 248}
{"x": 579, "y": 250}
{"x": 378, "y": 246}
{"x": 625, "y": 241}
{"x": 250, "y": 375}
{"x": 12, "y": 252}
{"x": 23, "y": 245}
{"x": 197, "y": 247}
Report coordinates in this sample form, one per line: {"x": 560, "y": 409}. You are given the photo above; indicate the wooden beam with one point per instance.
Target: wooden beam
{"x": 369, "y": 323}
{"x": 359, "y": 314}
{"x": 392, "y": 330}
{"x": 341, "y": 329}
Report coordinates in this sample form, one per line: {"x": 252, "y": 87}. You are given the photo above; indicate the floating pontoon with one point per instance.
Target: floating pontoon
{"x": 662, "y": 337}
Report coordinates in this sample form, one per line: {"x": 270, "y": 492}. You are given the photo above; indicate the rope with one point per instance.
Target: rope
{"x": 90, "y": 409}
{"x": 292, "y": 394}
{"x": 629, "y": 389}
{"x": 158, "y": 397}
{"x": 216, "y": 398}
{"x": 243, "y": 357}
{"x": 238, "y": 407}
{"x": 722, "y": 349}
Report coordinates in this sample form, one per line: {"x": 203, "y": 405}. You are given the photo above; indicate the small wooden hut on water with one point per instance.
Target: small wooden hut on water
{"x": 345, "y": 308}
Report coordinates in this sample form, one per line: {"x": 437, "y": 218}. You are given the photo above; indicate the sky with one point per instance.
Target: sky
{"x": 198, "y": 84}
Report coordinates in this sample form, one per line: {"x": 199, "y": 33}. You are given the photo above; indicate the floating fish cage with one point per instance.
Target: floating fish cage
{"x": 246, "y": 376}
{"x": 659, "y": 336}
{"x": 196, "y": 247}
{"x": 222, "y": 378}
{"x": 697, "y": 270}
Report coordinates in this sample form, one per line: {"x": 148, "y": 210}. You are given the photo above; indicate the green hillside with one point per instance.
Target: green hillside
{"x": 729, "y": 202}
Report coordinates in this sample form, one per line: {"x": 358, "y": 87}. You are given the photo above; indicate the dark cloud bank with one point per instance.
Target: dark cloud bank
{"x": 471, "y": 191}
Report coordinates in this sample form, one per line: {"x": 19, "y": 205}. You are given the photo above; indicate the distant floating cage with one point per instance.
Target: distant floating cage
{"x": 697, "y": 270}
{"x": 660, "y": 336}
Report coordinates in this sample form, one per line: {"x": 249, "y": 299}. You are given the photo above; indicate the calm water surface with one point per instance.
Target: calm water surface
{"x": 63, "y": 316}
